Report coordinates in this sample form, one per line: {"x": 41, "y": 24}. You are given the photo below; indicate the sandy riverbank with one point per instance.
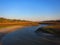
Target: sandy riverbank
{"x": 10, "y": 29}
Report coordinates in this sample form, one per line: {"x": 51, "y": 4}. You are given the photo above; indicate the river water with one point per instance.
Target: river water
{"x": 28, "y": 36}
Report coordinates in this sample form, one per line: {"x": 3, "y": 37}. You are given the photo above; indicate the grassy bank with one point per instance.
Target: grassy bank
{"x": 3, "y": 25}
{"x": 4, "y": 22}
{"x": 53, "y": 26}
{"x": 54, "y": 29}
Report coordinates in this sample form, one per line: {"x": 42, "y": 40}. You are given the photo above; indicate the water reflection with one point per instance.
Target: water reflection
{"x": 28, "y": 36}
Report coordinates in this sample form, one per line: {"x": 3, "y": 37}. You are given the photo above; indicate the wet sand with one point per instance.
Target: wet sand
{"x": 10, "y": 29}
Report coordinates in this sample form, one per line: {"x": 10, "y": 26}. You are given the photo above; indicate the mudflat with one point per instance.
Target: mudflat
{"x": 10, "y": 29}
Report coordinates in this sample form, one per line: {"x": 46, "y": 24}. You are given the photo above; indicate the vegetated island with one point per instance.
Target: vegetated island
{"x": 53, "y": 26}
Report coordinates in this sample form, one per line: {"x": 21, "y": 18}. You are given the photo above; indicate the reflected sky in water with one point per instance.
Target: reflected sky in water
{"x": 28, "y": 36}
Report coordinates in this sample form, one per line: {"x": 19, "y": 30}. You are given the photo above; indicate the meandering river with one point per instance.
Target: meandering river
{"x": 28, "y": 36}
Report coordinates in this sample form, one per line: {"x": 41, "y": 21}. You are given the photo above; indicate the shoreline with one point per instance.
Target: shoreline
{"x": 6, "y": 30}
{"x": 10, "y": 29}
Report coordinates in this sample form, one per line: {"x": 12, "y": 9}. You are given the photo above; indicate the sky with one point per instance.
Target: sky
{"x": 33, "y": 10}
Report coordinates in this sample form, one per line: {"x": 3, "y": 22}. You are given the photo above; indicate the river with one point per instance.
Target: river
{"x": 28, "y": 36}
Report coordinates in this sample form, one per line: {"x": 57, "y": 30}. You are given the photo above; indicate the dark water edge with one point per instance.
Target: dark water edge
{"x": 2, "y": 35}
{"x": 28, "y": 36}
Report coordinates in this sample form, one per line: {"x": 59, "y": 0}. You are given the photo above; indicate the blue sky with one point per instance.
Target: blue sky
{"x": 33, "y": 10}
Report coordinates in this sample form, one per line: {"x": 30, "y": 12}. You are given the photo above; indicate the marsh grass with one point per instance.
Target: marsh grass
{"x": 54, "y": 29}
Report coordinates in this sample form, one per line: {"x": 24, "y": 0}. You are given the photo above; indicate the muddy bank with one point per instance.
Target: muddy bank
{"x": 10, "y": 29}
